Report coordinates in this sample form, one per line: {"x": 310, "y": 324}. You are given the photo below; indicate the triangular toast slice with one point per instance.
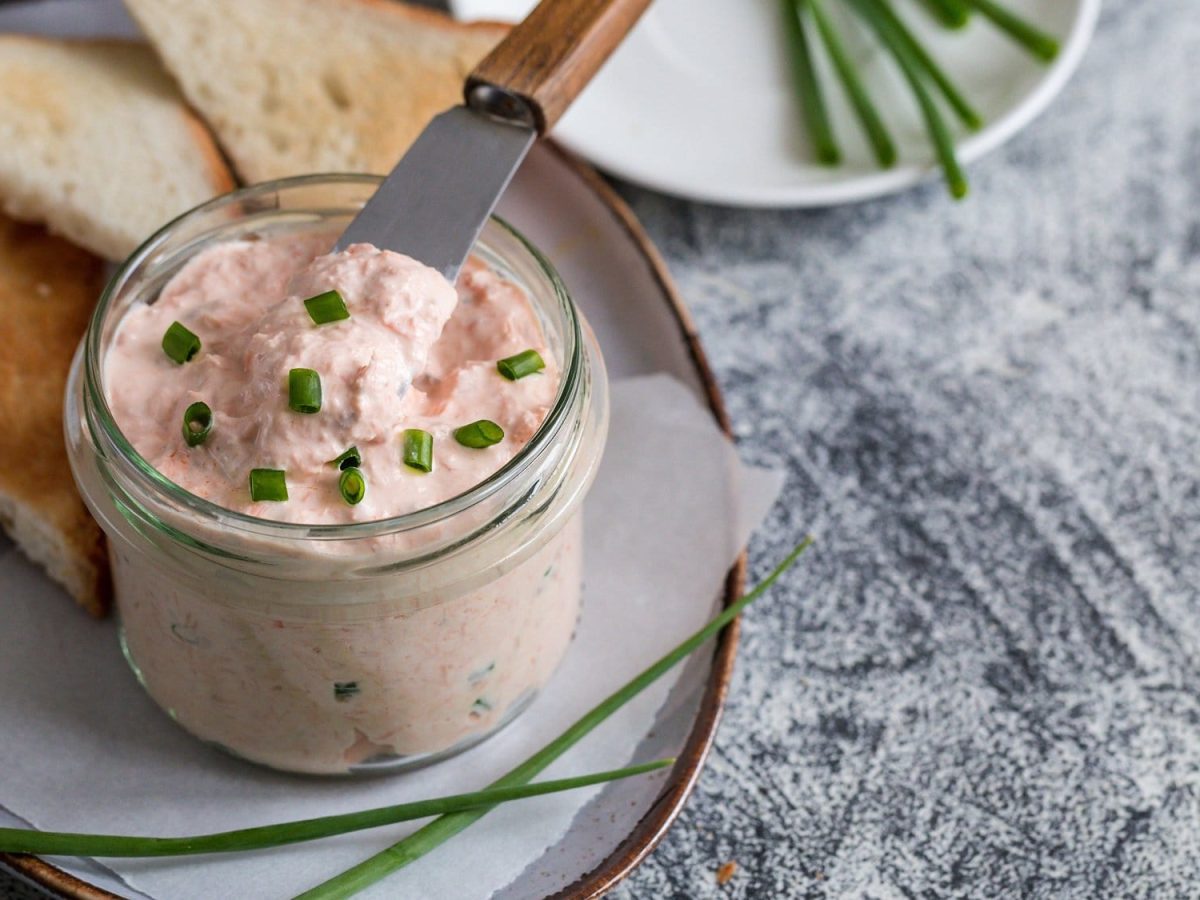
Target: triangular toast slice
{"x": 97, "y": 142}
{"x": 48, "y": 288}
{"x": 299, "y": 86}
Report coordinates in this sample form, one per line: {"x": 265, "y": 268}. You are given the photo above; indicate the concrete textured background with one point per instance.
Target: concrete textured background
{"x": 982, "y": 682}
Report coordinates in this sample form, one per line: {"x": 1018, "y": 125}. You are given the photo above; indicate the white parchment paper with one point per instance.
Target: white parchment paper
{"x": 83, "y": 749}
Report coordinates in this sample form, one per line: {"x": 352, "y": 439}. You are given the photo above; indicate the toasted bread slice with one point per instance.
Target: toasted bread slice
{"x": 97, "y": 142}
{"x": 48, "y": 288}
{"x": 299, "y": 86}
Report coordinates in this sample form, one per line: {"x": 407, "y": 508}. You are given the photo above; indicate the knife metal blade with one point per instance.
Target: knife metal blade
{"x": 435, "y": 202}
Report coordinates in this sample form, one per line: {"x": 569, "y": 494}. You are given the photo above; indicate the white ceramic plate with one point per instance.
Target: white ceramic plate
{"x": 698, "y": 101}
{"x": 616, "y": 276}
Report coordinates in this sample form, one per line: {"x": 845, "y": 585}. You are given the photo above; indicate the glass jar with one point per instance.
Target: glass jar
{"x": 342, "y": 648}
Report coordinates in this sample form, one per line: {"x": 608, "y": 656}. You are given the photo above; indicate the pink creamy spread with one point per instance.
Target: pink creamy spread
{"x": 413, "y": 354}
{"x": 317, "y": 676}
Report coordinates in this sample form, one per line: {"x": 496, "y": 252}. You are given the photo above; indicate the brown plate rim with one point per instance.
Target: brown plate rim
{"x": 653, "y": 826}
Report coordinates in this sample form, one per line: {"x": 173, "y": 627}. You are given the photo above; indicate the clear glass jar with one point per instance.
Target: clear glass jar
{"x": 342, "y": 648}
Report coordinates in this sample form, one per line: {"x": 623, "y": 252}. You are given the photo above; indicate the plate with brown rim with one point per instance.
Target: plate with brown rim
{"x": 621, "y": 283}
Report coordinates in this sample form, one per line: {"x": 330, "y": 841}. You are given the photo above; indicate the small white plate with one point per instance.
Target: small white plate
{"x": 698, "y": 100}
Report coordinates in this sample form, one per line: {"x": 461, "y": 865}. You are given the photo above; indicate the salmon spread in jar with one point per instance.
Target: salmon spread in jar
{"x": 341, "y": 494}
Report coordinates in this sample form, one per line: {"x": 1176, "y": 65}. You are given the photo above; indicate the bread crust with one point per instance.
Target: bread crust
{"x": 349, "y": 104}
{"x": 59, "y": 149}
{"x": 48, "y": 289}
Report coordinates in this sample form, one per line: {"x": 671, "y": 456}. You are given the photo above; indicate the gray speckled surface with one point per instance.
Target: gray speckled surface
{"x": 982, "y": 681}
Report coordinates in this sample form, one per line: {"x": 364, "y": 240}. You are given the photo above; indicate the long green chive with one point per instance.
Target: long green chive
{"x": 353, "y": 486}
{"x": 942, "y": 141}
{"x": 180, "y": 344}
{"x": 65, "y": 843}
{"x": 524, "y": 363}
{"x": 418, "y": 449}
{"x": 1033, "y": 39}
{"x": 442, "y": 829}
{"x": 478, "y": 435}
{"x": 808, "y": 88}
{"x": 926, "y": 63}
{"x": 268, "y": 484}
{"x": 868, "y": 116}
{"x": 951, "y": 13}
{"x": 350, "y": 459}
{"x": 304, "y": 391}
{"x": 197, "y": 424}
{"x": 326, "y": 307}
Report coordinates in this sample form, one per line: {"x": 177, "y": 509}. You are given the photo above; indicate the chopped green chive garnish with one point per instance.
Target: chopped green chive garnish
{"x": 479, "y": 434}
{"x": 524, "y": 363}
{"x": 348, "y": 460}
{"x": 353, "y": 486}
{"x": 197, "y": 423}
{"x": 326, "y": 307}
{"x": 268, "y": 484}
{"x": 344, "y": 690}
{"x": 304, "y": 391}
{"x": 480, "y": 706}
{"x": 180, "y": 344}
{"x": 418, "y": 449}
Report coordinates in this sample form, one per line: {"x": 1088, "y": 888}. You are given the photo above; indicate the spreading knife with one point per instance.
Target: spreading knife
{"x": 436, "y": 201}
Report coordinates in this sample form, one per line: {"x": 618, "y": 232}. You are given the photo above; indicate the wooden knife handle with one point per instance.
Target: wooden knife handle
{"x": 535, "y": 72}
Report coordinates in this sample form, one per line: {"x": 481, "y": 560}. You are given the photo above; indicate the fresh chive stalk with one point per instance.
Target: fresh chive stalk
{"x": 951, "y": 13}
{"x": 927, "y": 64}
{"x": 524, "y": 363}
{"x": 180, "y": 344}
{"x": 197, "y": 423}
{"x": 64, "y": 843}
{"x": 864, "y": 108}
{"x": 478, "y": 435}
{"x": 304, "y": 391}
{"x": 326, "y": 307}
{"x": 352, "y": 485}
{"x": 1029, "y": 36}
{"x": 943, "y": 142}
{"x": 808, "y": 87}
{"x": 418, "y": 449}
{"x": 268, "y": 484}
{"x": 445, "y": 827}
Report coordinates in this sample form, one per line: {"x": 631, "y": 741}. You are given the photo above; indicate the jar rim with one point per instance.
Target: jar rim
{"x": 101, "y": 415}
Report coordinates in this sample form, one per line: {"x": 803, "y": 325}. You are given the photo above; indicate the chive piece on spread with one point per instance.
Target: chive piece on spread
{"x": 180, "y": 344}
{"x": 353, "y": 486}
{"x": 418, "y": 449}
{"x": 351, "y": 459}
{"x": 197, "y": 423}
{"x": 304, "y": 391}
{"x": 344, "y": 690}
{"x": 479, "y": 434}
{"x": 524, "y": 363}
{"x": 327, "y": 307}
{"x": 268, "y": 484}
{"x": 479, "y": 707}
